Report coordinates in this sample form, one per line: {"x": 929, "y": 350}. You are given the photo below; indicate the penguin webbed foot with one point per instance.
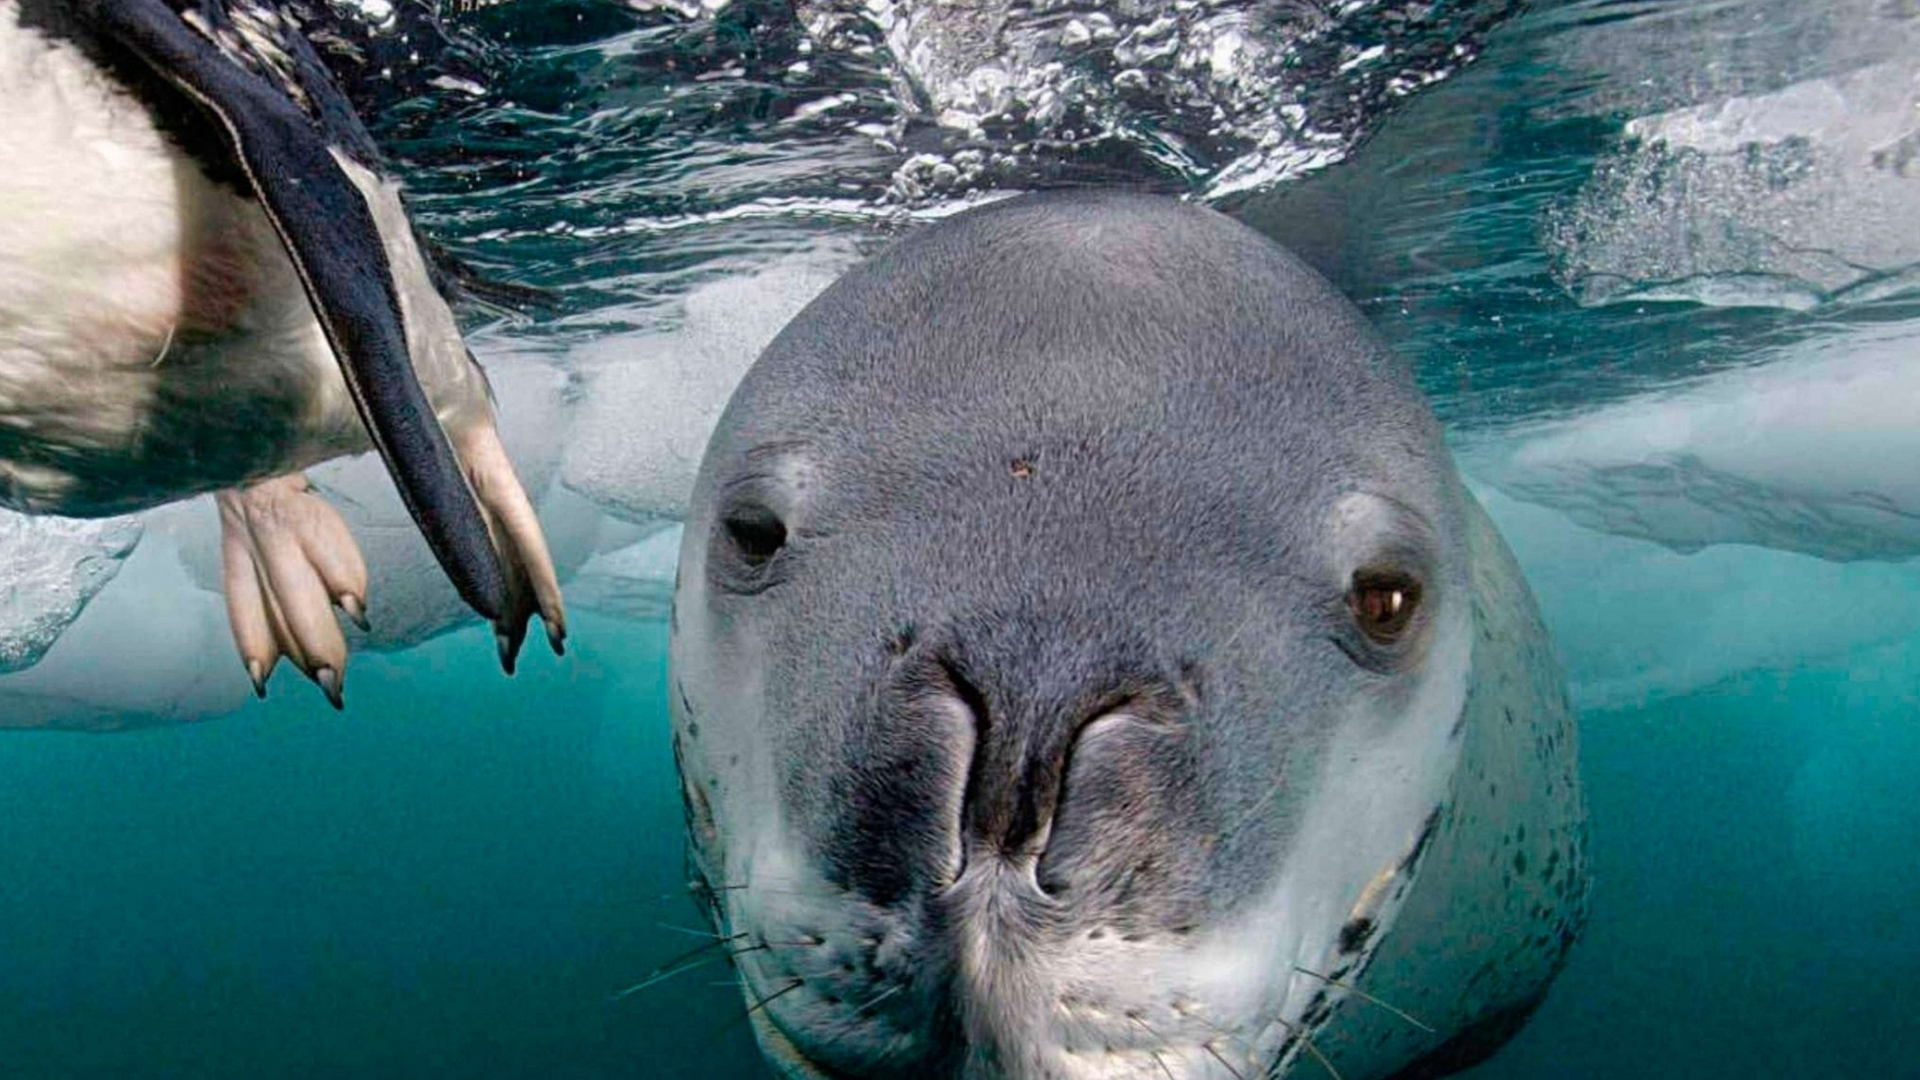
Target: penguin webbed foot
{"x": 288, "y": 559}
{"x": 533, "y": 588}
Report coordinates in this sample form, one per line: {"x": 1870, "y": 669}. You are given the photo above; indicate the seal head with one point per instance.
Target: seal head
{"x": 1071, "y": 648}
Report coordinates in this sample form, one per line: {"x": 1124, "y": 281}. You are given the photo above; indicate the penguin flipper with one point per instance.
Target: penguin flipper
{"x": 328, "y": 230}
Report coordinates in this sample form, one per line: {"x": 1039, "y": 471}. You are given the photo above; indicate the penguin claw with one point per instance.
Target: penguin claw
{"x": 329, "y": 682}
{"x": 287, "y": 559}
{"x": 509, "y": 648}
{"x": 356, "y": 610}
{"x": 533, "y": 588}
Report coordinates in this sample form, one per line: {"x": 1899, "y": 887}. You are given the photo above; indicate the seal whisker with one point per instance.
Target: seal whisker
{"x": 662, "y": 976}
{"x": 1279, "y": 784}
{"x": 1298, "y": 1032}
{"x": 1307, "y": 1043}
{"x": 880, "y": 997}
{"x": 714, "y": 1035}
{"x": 766, "y": 887}
{"x": 1224, "y": 1063}
{"x": 762, "y": 1003}
{"x": 1152, "y": 1052}
{"x": 165, "y": 346}
{"x": 1364, "y": 996}
{"x": 690, "y": 960}
{"x": 716, "y": 943}
{"x": 694, "y": 933}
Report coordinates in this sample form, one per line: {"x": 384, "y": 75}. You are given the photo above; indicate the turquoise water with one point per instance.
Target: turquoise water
{"x": 454, "y": 879}
{"x": 460, "y": 875}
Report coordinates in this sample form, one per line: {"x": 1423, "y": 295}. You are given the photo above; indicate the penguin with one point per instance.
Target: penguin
{"x": 208, "y": 284}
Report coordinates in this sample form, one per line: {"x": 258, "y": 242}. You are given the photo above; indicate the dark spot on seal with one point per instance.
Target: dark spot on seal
{"x": 1427, "y": 830}
{"x": 1520, "y": 862}
{"x": 1356, "y": 933}
{"x": 1473, "y": 1045}
{"x": 699, "y": 814}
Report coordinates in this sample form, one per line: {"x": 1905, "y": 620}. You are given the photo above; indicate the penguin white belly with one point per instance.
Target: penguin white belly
{"x": 155, "y": 339}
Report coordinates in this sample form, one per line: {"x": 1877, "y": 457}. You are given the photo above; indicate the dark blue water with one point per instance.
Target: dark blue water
{"x": 1640, "y": 323}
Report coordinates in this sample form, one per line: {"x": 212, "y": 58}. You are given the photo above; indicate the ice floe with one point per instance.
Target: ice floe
{"x": 1816, "y": 450}
{"x": 1789, "y": 197}
{"x": 651, "y": 398}
{"x": 152, "y": 650}
{"x": 1633, "y": 621}
{"x": 49, "y": 569}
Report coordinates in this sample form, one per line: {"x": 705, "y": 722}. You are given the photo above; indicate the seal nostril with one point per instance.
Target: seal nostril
{"x": 968, "y": 694}
{"x": 1120, "y": 799}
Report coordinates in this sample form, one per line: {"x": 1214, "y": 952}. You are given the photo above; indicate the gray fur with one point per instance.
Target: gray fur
{"x": 1045, "y": 697}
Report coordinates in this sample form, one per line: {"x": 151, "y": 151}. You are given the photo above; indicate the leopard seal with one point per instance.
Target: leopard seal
{"x": 1088, "y": 663}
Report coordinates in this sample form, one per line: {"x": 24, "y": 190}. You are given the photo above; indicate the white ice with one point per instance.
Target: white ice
{"x": 1791, "y": 196}
{"x": 49, "y": 569}
{"x": 1634, "y": 621}
{"x": 1816, "y": 450}
{"x": 651, "y": 398}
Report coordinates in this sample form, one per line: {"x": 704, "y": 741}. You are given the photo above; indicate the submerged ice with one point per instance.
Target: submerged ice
{"x": 1812, "y": 450}
{"x": 49, "y": 569}
{"x": 1802, "y": 196}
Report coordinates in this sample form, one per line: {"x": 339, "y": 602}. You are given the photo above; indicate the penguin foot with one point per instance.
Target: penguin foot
{"x": 288, "y": 559}
{"x": 532, "y": 586}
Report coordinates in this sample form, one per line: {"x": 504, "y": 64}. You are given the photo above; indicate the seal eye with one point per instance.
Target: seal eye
{"x": 757, "y": 533}
{"x": 1383, "y": 603}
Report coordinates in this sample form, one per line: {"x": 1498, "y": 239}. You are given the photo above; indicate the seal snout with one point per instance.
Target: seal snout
{"x": 1074, "y": 756}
